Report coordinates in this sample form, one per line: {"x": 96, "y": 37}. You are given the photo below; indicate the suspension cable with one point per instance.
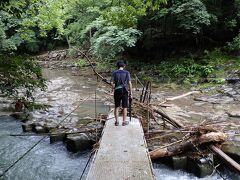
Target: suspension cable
{"x": 21, "y": 157}
{"x": 95, "y": 104}
{"x": 86, "y": 165}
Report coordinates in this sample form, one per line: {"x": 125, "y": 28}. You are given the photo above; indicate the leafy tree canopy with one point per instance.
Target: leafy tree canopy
{"x": 95, "y": 24}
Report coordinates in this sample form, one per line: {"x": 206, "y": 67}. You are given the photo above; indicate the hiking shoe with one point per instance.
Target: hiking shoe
{"x": 124, "y": 123}
{"x": 116, "y": 123}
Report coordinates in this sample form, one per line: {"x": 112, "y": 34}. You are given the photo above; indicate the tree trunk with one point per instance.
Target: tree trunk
{"x": 190, "y": 144}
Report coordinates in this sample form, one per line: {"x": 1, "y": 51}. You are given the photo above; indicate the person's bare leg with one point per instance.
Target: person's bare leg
{"x": 124, "y": 114}
{"x": 116, "y": 113}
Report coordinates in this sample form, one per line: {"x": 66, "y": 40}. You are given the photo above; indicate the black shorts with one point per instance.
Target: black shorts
{"x": 121, "y": 95}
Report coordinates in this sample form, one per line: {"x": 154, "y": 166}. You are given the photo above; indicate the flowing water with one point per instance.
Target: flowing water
{"x": 45, "y": 162}
{"x": 52, "y": 161}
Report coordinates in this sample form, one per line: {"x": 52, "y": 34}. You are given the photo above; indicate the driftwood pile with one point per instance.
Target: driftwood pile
{"x": 168, "y": 137}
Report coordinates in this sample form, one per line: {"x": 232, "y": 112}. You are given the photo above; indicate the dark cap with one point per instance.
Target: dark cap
{"x": 120, "y": 63}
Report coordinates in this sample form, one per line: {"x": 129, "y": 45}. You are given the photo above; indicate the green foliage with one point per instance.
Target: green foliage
{"x": 108, "y": 41}
{"x": 108, "y": 27}
{"x": 212, "y": 67}
{"x": 192, "y": 15}
{"x": 20, "y": 76}
{"x": 105, "y": 66}
{"x": 80, "y": 14}
{"x": 235, "y": 44}
{"x": 29, "y": 23}
{"x": 47, "y": 15}
{"x": 125, "y": 14}
{"x": 185, "y": 70}
{"x": 5, "y": 44}
{"x": 82, "y": 62}
{"x": 7, "y": 23}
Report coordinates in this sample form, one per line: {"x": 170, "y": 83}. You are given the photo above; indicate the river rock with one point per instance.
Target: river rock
{"x": 234, "y": 114}
{"x": 79, "y": 142}
{"x": 231, "y": 93}
{"x": 215, "y": 100}
{"x": 40, "y": 129}
{"x": 49, "y": 126}
{"x": 18, "y": 115}
{"x": 57, "y": 135}
{"x": 237, "y": 97}
{"x": 53, "y": 55}
{"x": 28, "y": 127}
{"x": 233, "y": 80}
{"x": 199, "y": 104}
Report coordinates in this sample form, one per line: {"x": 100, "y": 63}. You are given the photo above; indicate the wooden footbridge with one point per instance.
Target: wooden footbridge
{"x": 122, "y": 155}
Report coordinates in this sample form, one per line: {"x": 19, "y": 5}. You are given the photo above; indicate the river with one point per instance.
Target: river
{"x": 52, "y": 161}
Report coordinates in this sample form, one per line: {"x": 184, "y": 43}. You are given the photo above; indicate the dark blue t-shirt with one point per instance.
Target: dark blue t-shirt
{"x": 121, "y": 78}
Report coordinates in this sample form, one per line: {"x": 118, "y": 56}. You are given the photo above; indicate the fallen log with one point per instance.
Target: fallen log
{"x": 213, "y": 137}
{"x": 147, "y": 108}
{"x": 234, "y": 165}
{"x": 183, "y": 95}
{"x": 169, "y": 131}
{"x": 168, "y": 119}
{"x": 67, "y": 133}
{"x": 93, "y": 68}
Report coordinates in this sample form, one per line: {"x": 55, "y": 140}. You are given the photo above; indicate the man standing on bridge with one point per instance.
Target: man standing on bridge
{"x": 122, "y": 91}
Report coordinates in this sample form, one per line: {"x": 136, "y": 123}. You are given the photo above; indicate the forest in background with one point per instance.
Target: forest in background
{"x": 187, "y": 41}
{"x": 152, "y": 28}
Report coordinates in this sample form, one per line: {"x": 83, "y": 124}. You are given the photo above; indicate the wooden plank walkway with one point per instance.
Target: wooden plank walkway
{"x": 122, "y": 154}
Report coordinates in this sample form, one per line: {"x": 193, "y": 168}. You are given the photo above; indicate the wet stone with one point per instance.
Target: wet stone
{"x": 231, "y": 93}
{"x": 57, "y": 136}
{"x": 19, "y": 115}
{"x": 216, "y": 99}
{"x": 41, "y": 123}
{"x": 179, "y": 162}
{"x": 50, "y": 126}
{"x": 237, "y": 97}
{"x": 234, "y": 114}
{"x": 27, "y": 127}
{"x": 40, "y": 129}
{"x": 200, "y": 167}
{"x": 80, "y": 142}
{"x": 199, "y": 103}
